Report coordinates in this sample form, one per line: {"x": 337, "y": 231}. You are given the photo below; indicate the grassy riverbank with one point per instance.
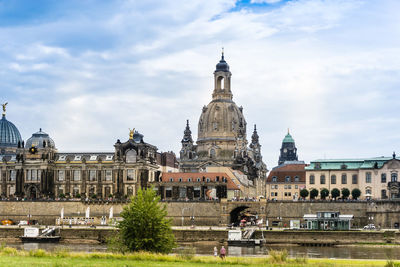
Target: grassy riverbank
{"x": 13, "y": 257}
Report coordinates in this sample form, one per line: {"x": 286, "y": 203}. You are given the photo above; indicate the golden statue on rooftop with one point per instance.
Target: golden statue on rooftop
{"x": 131, "y": 132}
{"x": 4, "y": 108}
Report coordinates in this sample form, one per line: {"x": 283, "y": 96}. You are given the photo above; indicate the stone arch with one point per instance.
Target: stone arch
{"x": 234, "y": 215}
{"x": 220, "y": 83}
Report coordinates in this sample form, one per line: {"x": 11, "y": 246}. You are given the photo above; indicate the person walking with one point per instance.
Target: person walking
{"x": 222, "y": 252}
{"x": 215, "y": 252}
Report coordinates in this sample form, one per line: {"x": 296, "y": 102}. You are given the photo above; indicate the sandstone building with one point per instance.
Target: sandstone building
{"x": 35, "y": 169}
{"x": 222, "y": 138}
{"x": 376, "y": 178}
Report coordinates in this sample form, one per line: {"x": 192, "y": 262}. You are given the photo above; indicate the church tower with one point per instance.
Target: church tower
{"x": 188, "y": 149}
{"x": 221, "y": 122}
{"x": 288, "y": 150}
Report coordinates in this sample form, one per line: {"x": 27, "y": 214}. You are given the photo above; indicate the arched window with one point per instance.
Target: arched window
{"x": 322, "y": 179}
{"x": 383, "y": 178}
{"x": 296, "y": 178}
{"x": 287, "y": 179}
{"x": 344, "y": 178}
{"x": 383, "y": 194}
{"x": 394, "y": 177}
{"x": 220, "y": 83}
{"x": 131, "y": 156}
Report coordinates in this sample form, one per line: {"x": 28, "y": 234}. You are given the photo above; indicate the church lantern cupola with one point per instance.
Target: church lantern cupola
{"x": 222, "y": 80}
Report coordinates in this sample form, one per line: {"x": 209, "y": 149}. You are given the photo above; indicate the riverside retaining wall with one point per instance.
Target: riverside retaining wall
{"x": 383, "y": 213}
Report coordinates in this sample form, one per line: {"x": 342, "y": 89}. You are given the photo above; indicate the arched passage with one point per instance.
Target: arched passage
{"x": 235, "y": 214}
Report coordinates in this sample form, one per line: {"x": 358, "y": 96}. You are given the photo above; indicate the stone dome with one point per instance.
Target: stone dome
{"x": 40, "y": 140}
{"x": 9, "y": 134}
{"x": 221, "y": 120}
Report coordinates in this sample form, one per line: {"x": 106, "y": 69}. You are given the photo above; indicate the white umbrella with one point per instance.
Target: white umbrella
{"x": 88, "y": 212}
{"x": 111, "y": 213}
{"x": 62, "y": 213}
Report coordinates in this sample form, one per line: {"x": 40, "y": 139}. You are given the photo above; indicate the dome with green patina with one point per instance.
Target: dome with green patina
{"x": 288, "y": 139}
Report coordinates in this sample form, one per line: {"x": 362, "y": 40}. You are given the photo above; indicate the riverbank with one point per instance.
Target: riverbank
{"x": 91, "y": 235}
{"x": 14, "y": 257}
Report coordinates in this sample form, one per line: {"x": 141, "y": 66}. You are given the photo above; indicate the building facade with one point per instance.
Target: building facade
{"x": 222, "y": 136}
{"x": 376, "y": 178}
{"x": 285, "y": 181}
{"x": 36, "y": 169}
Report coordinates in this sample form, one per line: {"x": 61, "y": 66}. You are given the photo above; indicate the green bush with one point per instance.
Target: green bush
{"x": 324, "y": 193}
{"x": 313, "y": 193}
{"x": 304, "y": 193}
{"x": 144, "y": 226}
{"x": 335, "y": 193}
{"x": 355, "y": 193}
{"x": 345, "y": 193}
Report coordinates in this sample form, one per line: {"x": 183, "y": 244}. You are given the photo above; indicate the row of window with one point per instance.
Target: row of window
{"x": 275, "y": 194}
{"x": 200, "y": 179}
{"x": 288, "y": 179}
{"x": 354, "y": 179}
{"x": 286, "y": 186}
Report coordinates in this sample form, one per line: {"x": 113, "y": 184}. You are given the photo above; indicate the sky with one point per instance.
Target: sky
{"x": 87, "y": 71}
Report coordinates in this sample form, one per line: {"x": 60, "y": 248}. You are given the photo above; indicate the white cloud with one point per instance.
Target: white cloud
{"x": 327, "y": 69}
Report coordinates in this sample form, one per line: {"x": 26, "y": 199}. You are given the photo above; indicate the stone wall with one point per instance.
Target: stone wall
{"x": 383, "y": 213}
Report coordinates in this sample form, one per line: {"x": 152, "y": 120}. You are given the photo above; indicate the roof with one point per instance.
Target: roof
{"x": 349, "y": 164}
{"x": 166, "y": 176}
{"x": 9, "y": 134}
{"x": 288, "y": 139}
{"x": 291, "y": 170}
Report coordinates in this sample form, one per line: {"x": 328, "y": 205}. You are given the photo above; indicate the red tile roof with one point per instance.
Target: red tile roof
{"x": 291, "y": 170}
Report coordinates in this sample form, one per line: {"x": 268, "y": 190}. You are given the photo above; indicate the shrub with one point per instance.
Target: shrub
{"x": 345, "y": 193}
{"x": 335, "y": 193}
{"x": 304, "y": 193}
{"x": 324, "y": 193}
{"x": 313, "y": 193}
{"x": 355, "y": 193}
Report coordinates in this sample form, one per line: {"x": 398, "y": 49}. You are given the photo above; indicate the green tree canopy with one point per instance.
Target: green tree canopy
{"x": 355, "y": 193}
{"x": 324, "y": 193}
{"x": 335, "y": 193}
{"x": 304, "y": 193}
{"x": 313, "y": 193}
{"x": 144, "y": 226}
{"x": 345, "y": 193}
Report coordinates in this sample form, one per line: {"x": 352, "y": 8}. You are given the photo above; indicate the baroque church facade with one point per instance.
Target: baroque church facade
{"x": 222, "y": 137}
{"x": 35, "y": 169}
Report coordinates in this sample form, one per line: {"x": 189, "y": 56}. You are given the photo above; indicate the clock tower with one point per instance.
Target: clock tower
{"x": 288, "y": 150}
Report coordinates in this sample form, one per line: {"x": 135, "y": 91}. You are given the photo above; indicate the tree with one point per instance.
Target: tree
{"x": 335, "y": 193}
{"x": 345, "y": 193}
{"x": 304, "y": 193}
{"x": 324, "y": 193}
{"x": 144, "y": 226}
{"x": 313, "y": 193}
{"x": 355, "y": 193}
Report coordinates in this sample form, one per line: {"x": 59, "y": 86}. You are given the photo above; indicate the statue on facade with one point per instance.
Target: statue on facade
{"x": 131, "y": 132}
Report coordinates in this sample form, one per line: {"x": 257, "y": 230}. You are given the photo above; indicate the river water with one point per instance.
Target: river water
{"x": 206, "y": 248}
